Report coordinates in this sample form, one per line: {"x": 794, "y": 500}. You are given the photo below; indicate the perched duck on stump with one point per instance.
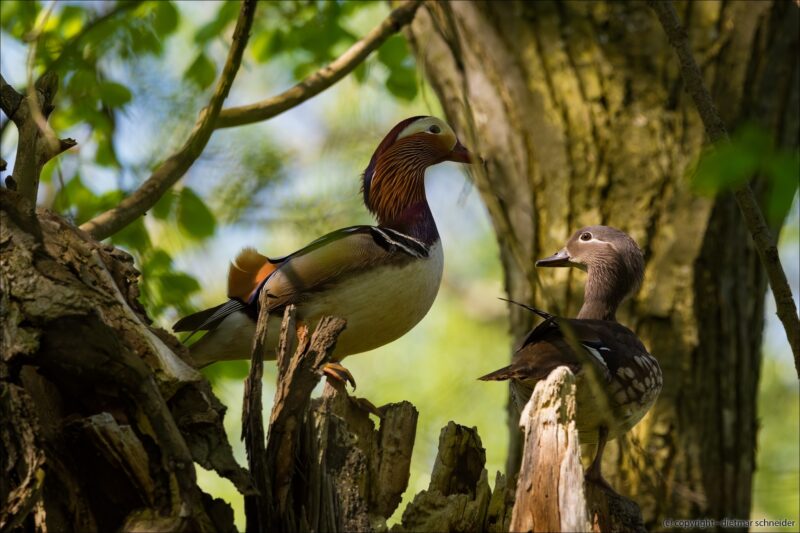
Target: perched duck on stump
{"x": 618, "y": 381}
{"x": 381, "y": 279}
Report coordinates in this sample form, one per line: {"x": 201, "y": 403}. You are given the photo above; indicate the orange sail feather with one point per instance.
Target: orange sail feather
{"x": 246, "y": 272}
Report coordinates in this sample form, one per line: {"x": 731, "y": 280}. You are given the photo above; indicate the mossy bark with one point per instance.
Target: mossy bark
{"x": 579, "y": 110}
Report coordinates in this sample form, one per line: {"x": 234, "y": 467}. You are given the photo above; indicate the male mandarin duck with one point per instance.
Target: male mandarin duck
{"x": 381, "y": 279}
{"x": 628, "y": 375}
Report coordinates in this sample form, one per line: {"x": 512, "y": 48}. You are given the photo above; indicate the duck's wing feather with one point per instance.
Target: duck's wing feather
{"x": 208, "y": 318}
{"x": 553, "y": 343}
{"x": 334, "y": 258}
{"x": 320, "y": 264}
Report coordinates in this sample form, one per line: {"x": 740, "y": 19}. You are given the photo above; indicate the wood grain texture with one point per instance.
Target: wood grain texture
{"x": 89, "y": 386}
{"x": 550, "y": 493}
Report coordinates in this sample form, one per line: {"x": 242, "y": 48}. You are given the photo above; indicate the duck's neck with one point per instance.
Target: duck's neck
{"x": 396, "y": 195}
{"x": 603, "y": 294}
{"x": 416, "y": 221}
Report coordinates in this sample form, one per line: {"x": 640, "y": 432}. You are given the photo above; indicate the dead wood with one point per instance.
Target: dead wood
{"x": 551, "y": 492}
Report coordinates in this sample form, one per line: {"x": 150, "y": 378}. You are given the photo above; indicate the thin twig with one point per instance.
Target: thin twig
{"x": 166, "y": 175}
{"x": 748, "y": 205}
{"x": 323, "y": 78}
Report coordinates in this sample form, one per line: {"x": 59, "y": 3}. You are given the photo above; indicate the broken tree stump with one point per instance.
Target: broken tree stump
{"x": 325, "y": 466}
{"x": 552, "y": 494}
{"x": 458, "y": 497}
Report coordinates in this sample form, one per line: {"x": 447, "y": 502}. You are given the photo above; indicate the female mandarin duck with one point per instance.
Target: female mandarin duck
{"x": 629, "y": 377}
{"x": 381, "y": 279}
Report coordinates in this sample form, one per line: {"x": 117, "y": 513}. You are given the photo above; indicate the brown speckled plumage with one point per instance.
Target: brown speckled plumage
{"x": 628, "y": 378}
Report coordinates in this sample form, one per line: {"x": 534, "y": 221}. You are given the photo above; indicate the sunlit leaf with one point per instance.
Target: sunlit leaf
{"x": 18, "y": 17}
{"x": 260, "y": 46}
{"x": 201, "y": 72}
{"x": 70, "y": 21}
{"x": 194, "y": 218}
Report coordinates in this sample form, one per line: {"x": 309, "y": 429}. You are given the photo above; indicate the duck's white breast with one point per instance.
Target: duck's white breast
{"x": 380, "y": 305}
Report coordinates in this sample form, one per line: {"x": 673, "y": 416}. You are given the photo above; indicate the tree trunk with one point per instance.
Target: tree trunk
{"x": 579, "y": 110}
{"x": 102, "y": 422}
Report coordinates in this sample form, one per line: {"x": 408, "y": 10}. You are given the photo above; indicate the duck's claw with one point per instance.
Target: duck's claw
{"x": 368, "y": 406}
{"x": 339, "y": 373}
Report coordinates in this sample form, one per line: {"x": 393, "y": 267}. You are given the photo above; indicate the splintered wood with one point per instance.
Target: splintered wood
{"x": 550, "y": 493}
{"x": 325, "y": 466}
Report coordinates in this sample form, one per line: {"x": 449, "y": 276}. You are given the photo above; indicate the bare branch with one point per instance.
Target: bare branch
{"x": 748, "y": 205}
{"x": 166, "y": 175}
{"x": 323, "y": 78}
{"x": 37, "y": 142}
{"x": 9, "y": 98}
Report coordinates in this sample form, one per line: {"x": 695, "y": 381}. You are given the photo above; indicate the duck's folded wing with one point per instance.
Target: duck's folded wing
{"x": 535, "y": 361}
{"x": 289, "y": 279}
{"x": 335, "y": 258}
{"x": 551, "y": 344}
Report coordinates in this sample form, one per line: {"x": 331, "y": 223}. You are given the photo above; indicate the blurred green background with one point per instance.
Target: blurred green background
{"x": 134, "y": 76}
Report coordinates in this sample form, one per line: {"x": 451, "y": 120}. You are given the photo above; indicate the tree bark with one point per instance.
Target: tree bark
{"x": 87, "y": 386}
{"x": 579, "y": 110}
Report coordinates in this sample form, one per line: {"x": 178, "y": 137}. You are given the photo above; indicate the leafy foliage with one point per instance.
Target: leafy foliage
{"x": 751, "y": 152}
{"x": 99, "y": 51}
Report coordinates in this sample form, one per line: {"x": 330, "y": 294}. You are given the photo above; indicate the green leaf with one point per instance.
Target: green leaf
{"x": 156, "y": 262}
{"x": 134, "y": 237}
{"x": 360, "y": 72}
{"x": 114, "y": 94}
{"x": 783, "y": 170}
{"x": 105, "y": 153}
{"x": 227, "y": 13}
{"x": 394, "y": 52}
{"x": 201, "y": 72}
{"x": 165, "y": 18}
{"x": 70, "y": 21}
{"x": 18, "y": 18}
{"x": 194, "y": 218}
{"x": 177, "y": 286}
{"x": 75, "y": 197}
{"x": 402, "y": 83}
{"x": 163, "y": 206}
{"x": 722, "y": 168}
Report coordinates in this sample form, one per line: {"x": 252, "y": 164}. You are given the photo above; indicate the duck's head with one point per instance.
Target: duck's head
{"x": 612, "y": 259}
{"x": 393, "y": 180}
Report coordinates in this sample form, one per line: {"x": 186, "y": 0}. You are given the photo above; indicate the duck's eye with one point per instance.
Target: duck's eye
{"x": 435, "y": 129}
{"x": 586, "y": 236}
